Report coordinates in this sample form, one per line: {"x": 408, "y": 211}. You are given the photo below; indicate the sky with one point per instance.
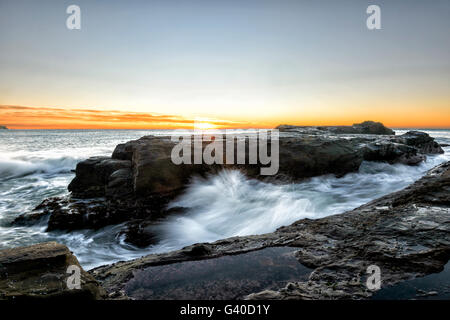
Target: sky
{"x": 234, "y": 63}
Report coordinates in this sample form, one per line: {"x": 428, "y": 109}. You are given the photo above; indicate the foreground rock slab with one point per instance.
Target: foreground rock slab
{"x": 406, "y": 234}
{"x": 40, "y": 271}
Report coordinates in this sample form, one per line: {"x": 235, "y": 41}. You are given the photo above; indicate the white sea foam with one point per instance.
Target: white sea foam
{"x": 229, "y": 204}
{"x": 10, "y": 168}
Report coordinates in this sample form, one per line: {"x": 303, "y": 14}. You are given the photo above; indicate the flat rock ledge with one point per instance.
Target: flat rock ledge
{"x": 40, "y": 271}
{"x": 406, "y": 234}
{"x": 366, "y": 127}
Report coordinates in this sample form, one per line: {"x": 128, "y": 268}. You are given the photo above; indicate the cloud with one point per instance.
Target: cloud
{"x": 22, "y": 117}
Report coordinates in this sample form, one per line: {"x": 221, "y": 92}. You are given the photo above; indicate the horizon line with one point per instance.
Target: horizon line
{"x": 16, "y": 117}
{"x": 222, "y": 128}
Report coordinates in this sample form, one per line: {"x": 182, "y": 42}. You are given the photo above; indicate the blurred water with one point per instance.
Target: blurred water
{"x": 36, "y": 164}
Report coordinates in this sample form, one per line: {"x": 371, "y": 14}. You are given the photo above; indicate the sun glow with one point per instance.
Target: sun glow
{"x": 201, "y": 124}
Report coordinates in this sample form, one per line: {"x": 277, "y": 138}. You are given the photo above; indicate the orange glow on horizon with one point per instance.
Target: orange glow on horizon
{"x": 21, "y": 117}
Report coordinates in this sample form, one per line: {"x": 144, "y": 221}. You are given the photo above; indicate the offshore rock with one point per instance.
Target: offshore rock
{"x": 366, "y": 127}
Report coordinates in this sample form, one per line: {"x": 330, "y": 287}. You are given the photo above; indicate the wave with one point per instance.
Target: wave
{"x": 14, "y": 168}
{"x": 230, "y": 204}
{"x": 54, "y": 160}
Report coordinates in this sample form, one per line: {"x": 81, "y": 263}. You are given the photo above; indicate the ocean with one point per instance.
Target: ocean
{"x": 37, "y": 164}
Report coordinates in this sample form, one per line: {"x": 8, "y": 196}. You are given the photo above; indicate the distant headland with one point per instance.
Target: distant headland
{"x": 3, "y": 128}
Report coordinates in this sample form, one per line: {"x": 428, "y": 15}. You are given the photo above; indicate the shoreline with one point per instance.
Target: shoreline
{"x": 322, "y": 245}
{"x": 417, "y": 144}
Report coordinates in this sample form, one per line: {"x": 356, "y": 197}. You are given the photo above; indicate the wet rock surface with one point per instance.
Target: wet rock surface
{"x": 406, "y": 234}
{"x": 226, "y": 277}
{"x": 40, "y": 271}
{"x": 94, "y": 175}
{"x": 434, "y": 286}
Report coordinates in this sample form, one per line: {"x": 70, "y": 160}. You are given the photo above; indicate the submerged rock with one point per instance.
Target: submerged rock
{"x": 40, "y": 271}
{"x": 406, "y": 234}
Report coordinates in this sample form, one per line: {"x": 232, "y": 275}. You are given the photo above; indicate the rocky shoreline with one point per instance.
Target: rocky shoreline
{"x": 406, "y": 233}
{"x": 137, "y": 182}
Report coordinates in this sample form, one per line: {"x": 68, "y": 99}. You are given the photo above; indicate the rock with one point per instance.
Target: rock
{"x": 144, "y": 166}
{"x": 66, "y": 213}
{"x": 366, "y": 127}
{"x": 392, "y": 153}
{"x": 92, "y": 176}
{"x": 139, "y": 233}
{"x": 371, "y": 127}
{"x": 308, "y": 157}
{"x": 406, "y": 234}
{"x": 40, "y": 271}
{"x": 421, "y": 141}
{"x": 123, "y": 151}
{"x": 120, "y": 183}
{"x": 154, "y": 171}
{"x": 3, "y": 128}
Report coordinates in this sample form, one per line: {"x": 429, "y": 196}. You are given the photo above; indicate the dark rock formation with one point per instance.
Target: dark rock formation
{"x": 40, "y": 271}
{"x": 392, "y": 152}
{"x": 67, "y": 213}
{"x": 95, "y": 174}
{"x": 140, "y": 179}
{"x": 406, "y": 234}
{"x": 366, "y": 127}
{"x": 419, "y": 140}
{"x": 3, "y": 128}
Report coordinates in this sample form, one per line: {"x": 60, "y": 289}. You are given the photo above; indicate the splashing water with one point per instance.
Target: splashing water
{"x": 229, "y": 204}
